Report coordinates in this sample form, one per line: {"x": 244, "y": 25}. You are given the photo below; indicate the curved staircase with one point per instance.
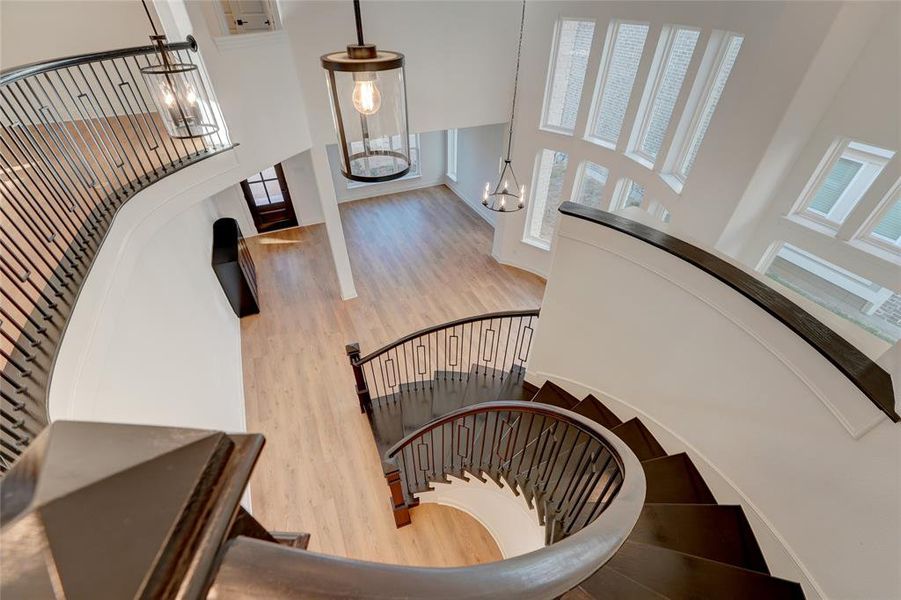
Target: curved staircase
{"x": 683, "y": 546}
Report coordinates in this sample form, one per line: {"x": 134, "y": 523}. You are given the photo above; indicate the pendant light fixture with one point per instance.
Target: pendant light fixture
{"x": 508, "y": 195}
{"x": 368, "y": 95}
{"x": 178, "y": 91}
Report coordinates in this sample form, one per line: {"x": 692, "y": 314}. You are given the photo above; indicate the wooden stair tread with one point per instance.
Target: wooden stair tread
{"x": 608, "y": 584}
{"x": 682, "y": 577}
{"x": 675, "y": 480}
{"x": 639, "y": 439}
{"x": 484, "y": 385}
{"x": 713, "y": 531}
{"x": 595, "y": 410}
{"x": 554, "y": 395}
{"x": 448, "y": 392}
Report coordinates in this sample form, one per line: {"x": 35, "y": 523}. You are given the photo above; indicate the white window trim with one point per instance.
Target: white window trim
{"x": 649, "y": 97}
{"x": 551, "y": 73}
{"x": 451, "y": 155}
{"x": 580, "y": 182}
{"x": 354, "y": 185}
{"x": 867, "y": 240}
{"x": 673, "y": 172}
{"x": 601, "y": 80}
{"x": 527, "y": 236}
{"x": 621, "y": 193}
{"x": 874, "y": 160}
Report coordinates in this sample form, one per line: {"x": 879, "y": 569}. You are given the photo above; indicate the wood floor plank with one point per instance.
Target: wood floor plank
{"x": 419, "y": 258}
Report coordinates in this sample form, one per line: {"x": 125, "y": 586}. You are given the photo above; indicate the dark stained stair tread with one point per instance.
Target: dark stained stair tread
{"x": 415, "y": 401}
{"x": 448, "y": 392}
{"x": 712, "y": 531}
{"x": 387, "y": 424}
{"x": 484, "y": 385}
{"x": 682, "y": 576}
{"x": 554, "y": 395}
{"x": 608, "y": 584}
{"x": 595, "y": 410}
{"x": 639, "y": 439}
{"x": 675, "y": 480}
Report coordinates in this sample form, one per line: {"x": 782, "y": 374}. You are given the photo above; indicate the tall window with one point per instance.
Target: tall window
{"x": 619, "y": 65}
{"x": 708, "y": 91}
{"x": 452, "y": 154}
{"x": 392, "y": 144}
{"x": 883, "y": 228}
{"x": 547, "y": 193}
{"x": 566, "y": 74}
{"x": 848, "y": 295}
{"x": 590, "y": 185}
{"x": 627, "y": 193}
{"x": 841, "y": 180}
{"x": 671, "y": 60}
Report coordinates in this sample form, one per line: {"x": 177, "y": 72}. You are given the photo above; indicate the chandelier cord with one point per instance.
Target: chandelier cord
{"x": 149, "y": 18}
{"x": 522, "y": 23}
{"x": 359, "y": 20}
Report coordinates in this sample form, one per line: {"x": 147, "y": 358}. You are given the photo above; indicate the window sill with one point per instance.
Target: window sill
{"x": 557, "y": 130}
{"x": 540, "y": 244}
{"x": 814, "y": 225}
{"x": 600, "y": 142}
{"x": 644, "y": 162}
{"x": 877, "y": 250}
{"x": 673, "y": 182}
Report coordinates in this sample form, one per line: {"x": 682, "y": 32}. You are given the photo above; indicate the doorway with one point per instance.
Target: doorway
{"x": 268, "y": 199}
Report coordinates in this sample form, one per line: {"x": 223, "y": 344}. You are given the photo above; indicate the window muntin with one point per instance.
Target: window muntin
{"x": 714, "y": 87}
{"x": 590, "y": 186}
{"x": 566, "y": 75}
{"x": 452, "y": 154}
{"x": 547, "y": 194}
{"x": 843, "y": 177}
{"x": 619, "y": 66}
{"x": 671, "y": 61}
{"x": 846, "y": 294}
{"x": 395, "y": 144}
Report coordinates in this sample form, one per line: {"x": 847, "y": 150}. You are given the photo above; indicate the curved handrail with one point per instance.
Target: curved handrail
{"x": 538, "y": 575}
{"x": 869, "y": 377}
{"x": 533, "y": 312}
{"x": 80, "y": 137}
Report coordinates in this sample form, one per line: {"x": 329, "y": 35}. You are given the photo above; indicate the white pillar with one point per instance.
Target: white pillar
{"x": 333, "y": 227}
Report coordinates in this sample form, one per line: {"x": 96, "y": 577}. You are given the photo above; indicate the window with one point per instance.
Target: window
{"x": 848, "y": 295}
{"x": 883, "y": 228}
{"x": 547, "y": 186}
{"x": 619, "y": 65}
{"x": 452, "y": 154}
{"x": 392, "y": 144}
{"x": 627, "y": 193}
{"x": 659, "y": 211}
{"x": 590, "y": 186}
{"x": 566, "y": 74}
{"x": 842, "y": 178}
{"x": 671, "y": 60}
{"x": 708, "y": 90}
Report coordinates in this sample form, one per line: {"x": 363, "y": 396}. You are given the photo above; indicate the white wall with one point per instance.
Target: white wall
{"x": 769, "y": 421}
{"x": 432, "y": 165}
{"x": 479, "y": 150}
{"x": 781, "y": 40}
{"x": 39, "y": 30}
{"x": 507, "y": 517}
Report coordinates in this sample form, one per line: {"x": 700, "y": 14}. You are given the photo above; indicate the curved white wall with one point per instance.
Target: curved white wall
{"x": 507, "y": 517}
{"x": 769, "y": 421}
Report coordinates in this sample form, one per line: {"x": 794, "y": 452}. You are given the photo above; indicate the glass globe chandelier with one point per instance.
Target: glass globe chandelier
{"x": 368, "y": 96}
{"x": 178, "y": 92}
{"x": 508, "y": 195}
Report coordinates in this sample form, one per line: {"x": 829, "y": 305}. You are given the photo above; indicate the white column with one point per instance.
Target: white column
{"x": 333, "y": 227}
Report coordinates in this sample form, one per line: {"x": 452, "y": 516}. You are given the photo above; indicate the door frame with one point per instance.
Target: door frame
{"x": 263, "y": 225}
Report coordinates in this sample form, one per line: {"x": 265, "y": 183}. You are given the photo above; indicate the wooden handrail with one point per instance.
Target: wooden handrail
{"x": 869, "y": 377}
{"x": 533, "y": 312}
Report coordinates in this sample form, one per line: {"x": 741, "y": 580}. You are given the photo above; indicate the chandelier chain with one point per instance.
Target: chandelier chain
{"x": 522, "y": 23}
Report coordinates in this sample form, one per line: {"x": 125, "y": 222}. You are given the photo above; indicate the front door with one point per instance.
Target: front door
{"x": 269, "y": 201}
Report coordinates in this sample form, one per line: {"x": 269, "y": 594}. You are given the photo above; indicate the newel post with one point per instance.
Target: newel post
{"x": 398, "y": 504}
{"x": 353, "y": 353}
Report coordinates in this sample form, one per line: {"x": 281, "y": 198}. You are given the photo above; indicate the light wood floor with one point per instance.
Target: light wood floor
{"x": 419, "y": 258}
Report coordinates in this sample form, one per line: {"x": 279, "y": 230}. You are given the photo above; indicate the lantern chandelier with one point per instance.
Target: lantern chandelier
{"x": 508, "y": 195}
{"x": 368, "y": 96}
{"x": 178, "y": 92}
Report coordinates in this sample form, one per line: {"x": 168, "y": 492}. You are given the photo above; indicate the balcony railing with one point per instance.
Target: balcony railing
{"x": 80, "y": 138}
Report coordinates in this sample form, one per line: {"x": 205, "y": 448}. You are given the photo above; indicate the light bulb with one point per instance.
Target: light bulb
{"x": 168, "y": 97}
{"x": 366, "y": 97}
{"x": 191, "y": 97}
